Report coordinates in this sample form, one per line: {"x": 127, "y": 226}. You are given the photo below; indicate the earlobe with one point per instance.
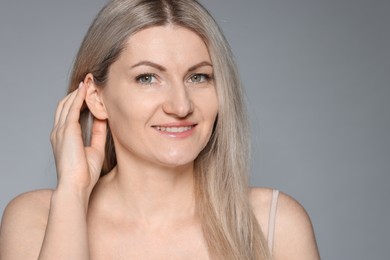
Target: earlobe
{"x": 93, "y": 99}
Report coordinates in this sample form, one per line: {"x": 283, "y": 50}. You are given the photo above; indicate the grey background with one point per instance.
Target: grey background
{"x": 317, "y": 80}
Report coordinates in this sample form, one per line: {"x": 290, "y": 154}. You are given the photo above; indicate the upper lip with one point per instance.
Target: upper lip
{"x": 176, "y": 124}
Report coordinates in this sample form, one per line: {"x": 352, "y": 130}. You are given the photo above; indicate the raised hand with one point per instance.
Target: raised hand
{"x": 78, "y": 167}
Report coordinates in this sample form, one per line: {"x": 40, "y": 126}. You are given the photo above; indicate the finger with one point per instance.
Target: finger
{"x": 66, "y": 110}
{"x": 99, "y": 134}
{"x": 57, "y": 119}
{"x": 60, "y": 106}
{"x": 73, "y": 114}
{"x": 63, "y": 113}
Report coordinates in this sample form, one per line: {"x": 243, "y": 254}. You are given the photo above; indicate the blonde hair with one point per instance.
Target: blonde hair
{"x": 228, "y": 222}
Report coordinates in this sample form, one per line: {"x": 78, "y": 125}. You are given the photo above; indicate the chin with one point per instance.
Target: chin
{"x": 177, "y": 162}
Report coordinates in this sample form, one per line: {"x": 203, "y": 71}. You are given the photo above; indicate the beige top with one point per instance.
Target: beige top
{"x": 271, "y": 221}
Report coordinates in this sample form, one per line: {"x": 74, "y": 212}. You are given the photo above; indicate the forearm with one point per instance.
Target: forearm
{"x": 66, "y": 234}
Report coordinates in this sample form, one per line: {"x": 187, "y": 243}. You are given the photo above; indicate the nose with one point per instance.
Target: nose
{"x": 178, "y": 101}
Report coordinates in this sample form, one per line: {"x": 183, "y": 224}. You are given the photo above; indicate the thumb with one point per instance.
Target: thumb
{"x": 99, "y": 135}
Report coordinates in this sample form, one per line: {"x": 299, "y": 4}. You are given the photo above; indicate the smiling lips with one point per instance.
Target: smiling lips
{"x": 176, "y": 130}
{"x": 180, "y": 129}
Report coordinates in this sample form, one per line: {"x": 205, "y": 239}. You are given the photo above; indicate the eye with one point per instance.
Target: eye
{"x": 199, "y": 78}
{"x": 146, "y": 79}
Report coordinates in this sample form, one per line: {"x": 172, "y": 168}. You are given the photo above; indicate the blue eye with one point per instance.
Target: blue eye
{"x": 146, "y": 79}
{"x": 199, "y": 78}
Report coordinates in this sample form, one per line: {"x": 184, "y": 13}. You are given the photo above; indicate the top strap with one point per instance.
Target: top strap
{"x": 271, "y": 221}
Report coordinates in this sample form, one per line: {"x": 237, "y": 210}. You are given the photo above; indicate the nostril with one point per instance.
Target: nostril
{"x": 179, "y": 105}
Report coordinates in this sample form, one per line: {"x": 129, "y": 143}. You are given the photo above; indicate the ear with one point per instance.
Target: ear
{"x": 94, "y": 99}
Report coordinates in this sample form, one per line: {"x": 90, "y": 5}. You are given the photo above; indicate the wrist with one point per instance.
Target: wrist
{"x": 75, "y": 195}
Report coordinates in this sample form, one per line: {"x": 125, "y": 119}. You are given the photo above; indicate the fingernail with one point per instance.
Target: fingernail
{"x": 81, "y": 84}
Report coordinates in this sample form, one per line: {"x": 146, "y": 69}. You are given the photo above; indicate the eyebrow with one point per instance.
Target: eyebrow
{"x": 162, "y": 68}
{"x": 201, "y": 64}
{"x": 150, "y": 64}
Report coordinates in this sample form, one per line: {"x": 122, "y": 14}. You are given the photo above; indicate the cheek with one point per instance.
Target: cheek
{"x": 120, "y": 114}
{"x": 209, "y": 106}
{"x": 212, "y": 116}
{"x": 127, "y": 113}
{"x": 213, "y": 112}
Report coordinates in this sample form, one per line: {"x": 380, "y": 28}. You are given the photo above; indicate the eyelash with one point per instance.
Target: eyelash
{"x": 143, "y": 76}
{"x": 207, "y": 78}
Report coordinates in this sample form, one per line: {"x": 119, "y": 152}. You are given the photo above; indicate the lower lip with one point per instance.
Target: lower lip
{"x": 177, "y": 134}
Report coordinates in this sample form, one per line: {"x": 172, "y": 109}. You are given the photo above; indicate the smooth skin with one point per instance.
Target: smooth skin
{"x": 144, "y": 208}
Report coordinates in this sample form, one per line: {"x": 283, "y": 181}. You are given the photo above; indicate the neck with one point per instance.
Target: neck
{"x": 154, "y": 196}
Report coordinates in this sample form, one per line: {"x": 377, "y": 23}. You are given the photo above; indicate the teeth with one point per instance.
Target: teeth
{"x": 174, "y": 129}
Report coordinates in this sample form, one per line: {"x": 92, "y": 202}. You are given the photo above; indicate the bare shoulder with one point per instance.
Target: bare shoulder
{"x": 34, "y": 204}
{"x": 260, "y": 199}
{"x": 23, "y": 223}
{"x": 294, "y": 236}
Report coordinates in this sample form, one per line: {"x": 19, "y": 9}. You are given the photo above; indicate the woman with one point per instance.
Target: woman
{"x": 151, "y": 151}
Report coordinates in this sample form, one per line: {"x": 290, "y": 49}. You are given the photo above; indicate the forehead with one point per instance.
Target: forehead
{"x": 164, "y": 44}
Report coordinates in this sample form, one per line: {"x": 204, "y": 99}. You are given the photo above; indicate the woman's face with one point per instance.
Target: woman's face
{"x": 160, "y": 97}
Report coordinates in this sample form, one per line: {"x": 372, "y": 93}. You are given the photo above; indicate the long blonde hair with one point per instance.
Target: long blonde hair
{"x": 229, "y": 225}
